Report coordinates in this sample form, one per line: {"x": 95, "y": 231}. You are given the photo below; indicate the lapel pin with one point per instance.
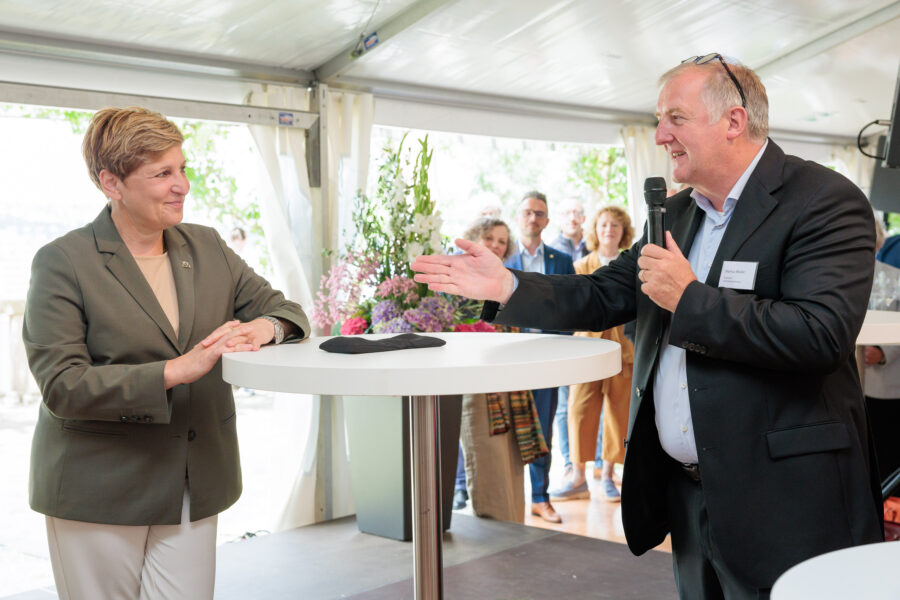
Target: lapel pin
{"x": 185, "y": 264}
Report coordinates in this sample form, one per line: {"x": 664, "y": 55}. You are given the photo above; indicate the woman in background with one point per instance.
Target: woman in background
{"x": 609, "y": 232}
{"x": 135, "y": 450}
{"x": 500, "y": 432}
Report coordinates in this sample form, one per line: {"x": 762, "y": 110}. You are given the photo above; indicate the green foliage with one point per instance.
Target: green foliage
{"x": 508, "y": 173}
{"x": 597, "y": 173}
{"x": 603, "y": 170}
{"x": 893, "y": 223}
{"x": 212, "y": 188}
{"x": 77, "y": 119}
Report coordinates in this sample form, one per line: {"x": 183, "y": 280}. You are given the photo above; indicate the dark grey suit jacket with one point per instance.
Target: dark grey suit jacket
{"x": 112, "y": 445}
{"x": 778, "y": 413}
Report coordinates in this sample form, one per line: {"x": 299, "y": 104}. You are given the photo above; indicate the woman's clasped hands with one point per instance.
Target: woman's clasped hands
{"x": 231, "y": 336}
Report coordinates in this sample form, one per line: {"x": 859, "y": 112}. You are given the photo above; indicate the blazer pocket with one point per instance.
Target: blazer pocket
{"x": 96, "y": 428}
{"x": 808, "y": 439}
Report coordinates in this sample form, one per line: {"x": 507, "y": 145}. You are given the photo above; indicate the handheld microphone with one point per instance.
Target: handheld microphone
{"x": 655, "y": 196}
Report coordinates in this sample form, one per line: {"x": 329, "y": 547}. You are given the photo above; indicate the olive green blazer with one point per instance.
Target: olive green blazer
{"x": 112, "y": 445}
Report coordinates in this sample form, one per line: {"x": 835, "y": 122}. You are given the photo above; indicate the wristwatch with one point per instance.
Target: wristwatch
{"x": 279, "y": 328}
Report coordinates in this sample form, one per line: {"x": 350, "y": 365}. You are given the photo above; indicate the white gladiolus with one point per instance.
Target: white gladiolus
{"x": 414, "y": 250}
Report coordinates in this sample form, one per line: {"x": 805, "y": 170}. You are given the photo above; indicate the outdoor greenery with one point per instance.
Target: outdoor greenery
{"x": 213, "y": 189}
{"x": 604, "y": 171}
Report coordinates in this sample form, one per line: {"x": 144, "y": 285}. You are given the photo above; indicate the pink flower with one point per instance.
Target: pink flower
{"x": 354, "y": 326}
{"x": 477, "y": 326}
{"x": 483, "y": 327}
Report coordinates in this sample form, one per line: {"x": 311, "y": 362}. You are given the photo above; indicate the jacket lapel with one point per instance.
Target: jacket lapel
{"x": 651, "y": 319}
{"x": 183, "y": 271}
{"x": 514, "y": 261}
{"x": 685, "y": 229}
{"x": 549, "y": 260}
{"x": 123, "y": 267}
{"x": 754, "y": 205}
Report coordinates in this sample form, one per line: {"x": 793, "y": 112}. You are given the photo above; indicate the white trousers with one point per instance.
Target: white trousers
{"x": 93, "y": 561}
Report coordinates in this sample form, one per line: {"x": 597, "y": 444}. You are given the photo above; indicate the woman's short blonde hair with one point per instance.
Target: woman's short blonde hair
{"x": 122, "y": 139}
{"x": 618, "y": 213}
{"x": 482, "y": 226}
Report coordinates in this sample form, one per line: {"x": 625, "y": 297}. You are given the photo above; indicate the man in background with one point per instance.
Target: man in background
{"x": 571, "y": 241}
{"x": 534, "y": 256}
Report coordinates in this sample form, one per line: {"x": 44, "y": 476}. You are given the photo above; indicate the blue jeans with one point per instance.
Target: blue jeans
{"x": 460, "y": 471}
{"x": 545, "y": 401}
{"x": 598, "y": 460}
{"x": 562, "y": 423}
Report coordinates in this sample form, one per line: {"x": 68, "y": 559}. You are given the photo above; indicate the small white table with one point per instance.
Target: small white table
{"x": 880, "y": 328}
{"x": 861, "y": 572}
{"x": 469, "y": 363}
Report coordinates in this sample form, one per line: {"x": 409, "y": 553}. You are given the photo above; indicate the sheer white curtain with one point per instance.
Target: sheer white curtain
{"x": 300, "y": 222}
{"x": 16, "y": 382}
{"x": 850, "y": 162}
{"x": 286, "y": 215}
{"x": 645, "y": 159}
{"x": 348, "y": 121}
{"x": 285, "y": 212}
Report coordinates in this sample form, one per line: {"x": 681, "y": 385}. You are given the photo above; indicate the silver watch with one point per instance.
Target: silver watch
{"x": 279, "y": 328}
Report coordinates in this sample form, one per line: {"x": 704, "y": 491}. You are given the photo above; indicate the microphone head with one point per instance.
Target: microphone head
{"x": 655, "y": 190}
{"x": 652, "y": 184}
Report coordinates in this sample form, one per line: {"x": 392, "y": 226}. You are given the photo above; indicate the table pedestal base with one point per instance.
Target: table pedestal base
{"x": 426, "y": 504}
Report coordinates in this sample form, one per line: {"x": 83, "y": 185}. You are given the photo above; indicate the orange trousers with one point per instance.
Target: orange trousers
{"x": 586, "y": 401}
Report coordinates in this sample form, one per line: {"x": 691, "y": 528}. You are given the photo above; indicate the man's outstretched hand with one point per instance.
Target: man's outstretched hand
{"x": 477, "y": 274}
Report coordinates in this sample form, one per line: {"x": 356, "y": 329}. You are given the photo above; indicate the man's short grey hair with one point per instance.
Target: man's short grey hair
{"x": 719, "y": 94}
{"x": 536, "y": 195}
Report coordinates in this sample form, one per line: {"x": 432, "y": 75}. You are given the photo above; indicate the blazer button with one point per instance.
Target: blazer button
{"x": 191, "y": 435}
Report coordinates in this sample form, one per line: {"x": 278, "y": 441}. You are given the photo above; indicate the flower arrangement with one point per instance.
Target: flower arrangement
{"x": 370, "y": 288}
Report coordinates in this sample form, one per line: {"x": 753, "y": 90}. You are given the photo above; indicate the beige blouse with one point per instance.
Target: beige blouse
{"x": 158, "y": 272}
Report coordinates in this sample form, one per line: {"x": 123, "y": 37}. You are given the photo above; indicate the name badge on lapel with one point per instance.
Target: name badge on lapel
{"x": 738, "y": 275}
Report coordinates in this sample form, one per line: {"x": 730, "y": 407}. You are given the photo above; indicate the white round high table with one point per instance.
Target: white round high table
{"x": 469, "y": 363}
{"x": 858, "y": 572}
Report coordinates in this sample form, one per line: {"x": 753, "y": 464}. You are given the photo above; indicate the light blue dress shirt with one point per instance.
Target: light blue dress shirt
{"x": 532, "y": 264}
{"x": 670, "y": 384}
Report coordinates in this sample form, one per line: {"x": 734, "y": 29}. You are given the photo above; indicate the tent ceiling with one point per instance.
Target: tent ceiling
{"x": 830, "y": 65}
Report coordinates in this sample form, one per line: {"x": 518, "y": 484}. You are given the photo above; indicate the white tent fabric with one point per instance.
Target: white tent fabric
{"x": 645, "y": 159}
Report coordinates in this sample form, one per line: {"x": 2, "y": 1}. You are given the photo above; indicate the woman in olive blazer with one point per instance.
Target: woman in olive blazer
{"x": 137, "y": 427}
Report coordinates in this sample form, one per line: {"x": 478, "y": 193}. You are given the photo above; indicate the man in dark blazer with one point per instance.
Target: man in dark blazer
{"x": 747, "y": 437}
{"x": 534, "y": 256}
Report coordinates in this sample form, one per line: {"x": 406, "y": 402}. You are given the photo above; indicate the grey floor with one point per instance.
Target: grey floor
{"x": 483, "y": 560}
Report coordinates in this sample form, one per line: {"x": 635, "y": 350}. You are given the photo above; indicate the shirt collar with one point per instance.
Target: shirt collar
{"x": 524, "y": 251}
{"x": 706, "y": 206}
